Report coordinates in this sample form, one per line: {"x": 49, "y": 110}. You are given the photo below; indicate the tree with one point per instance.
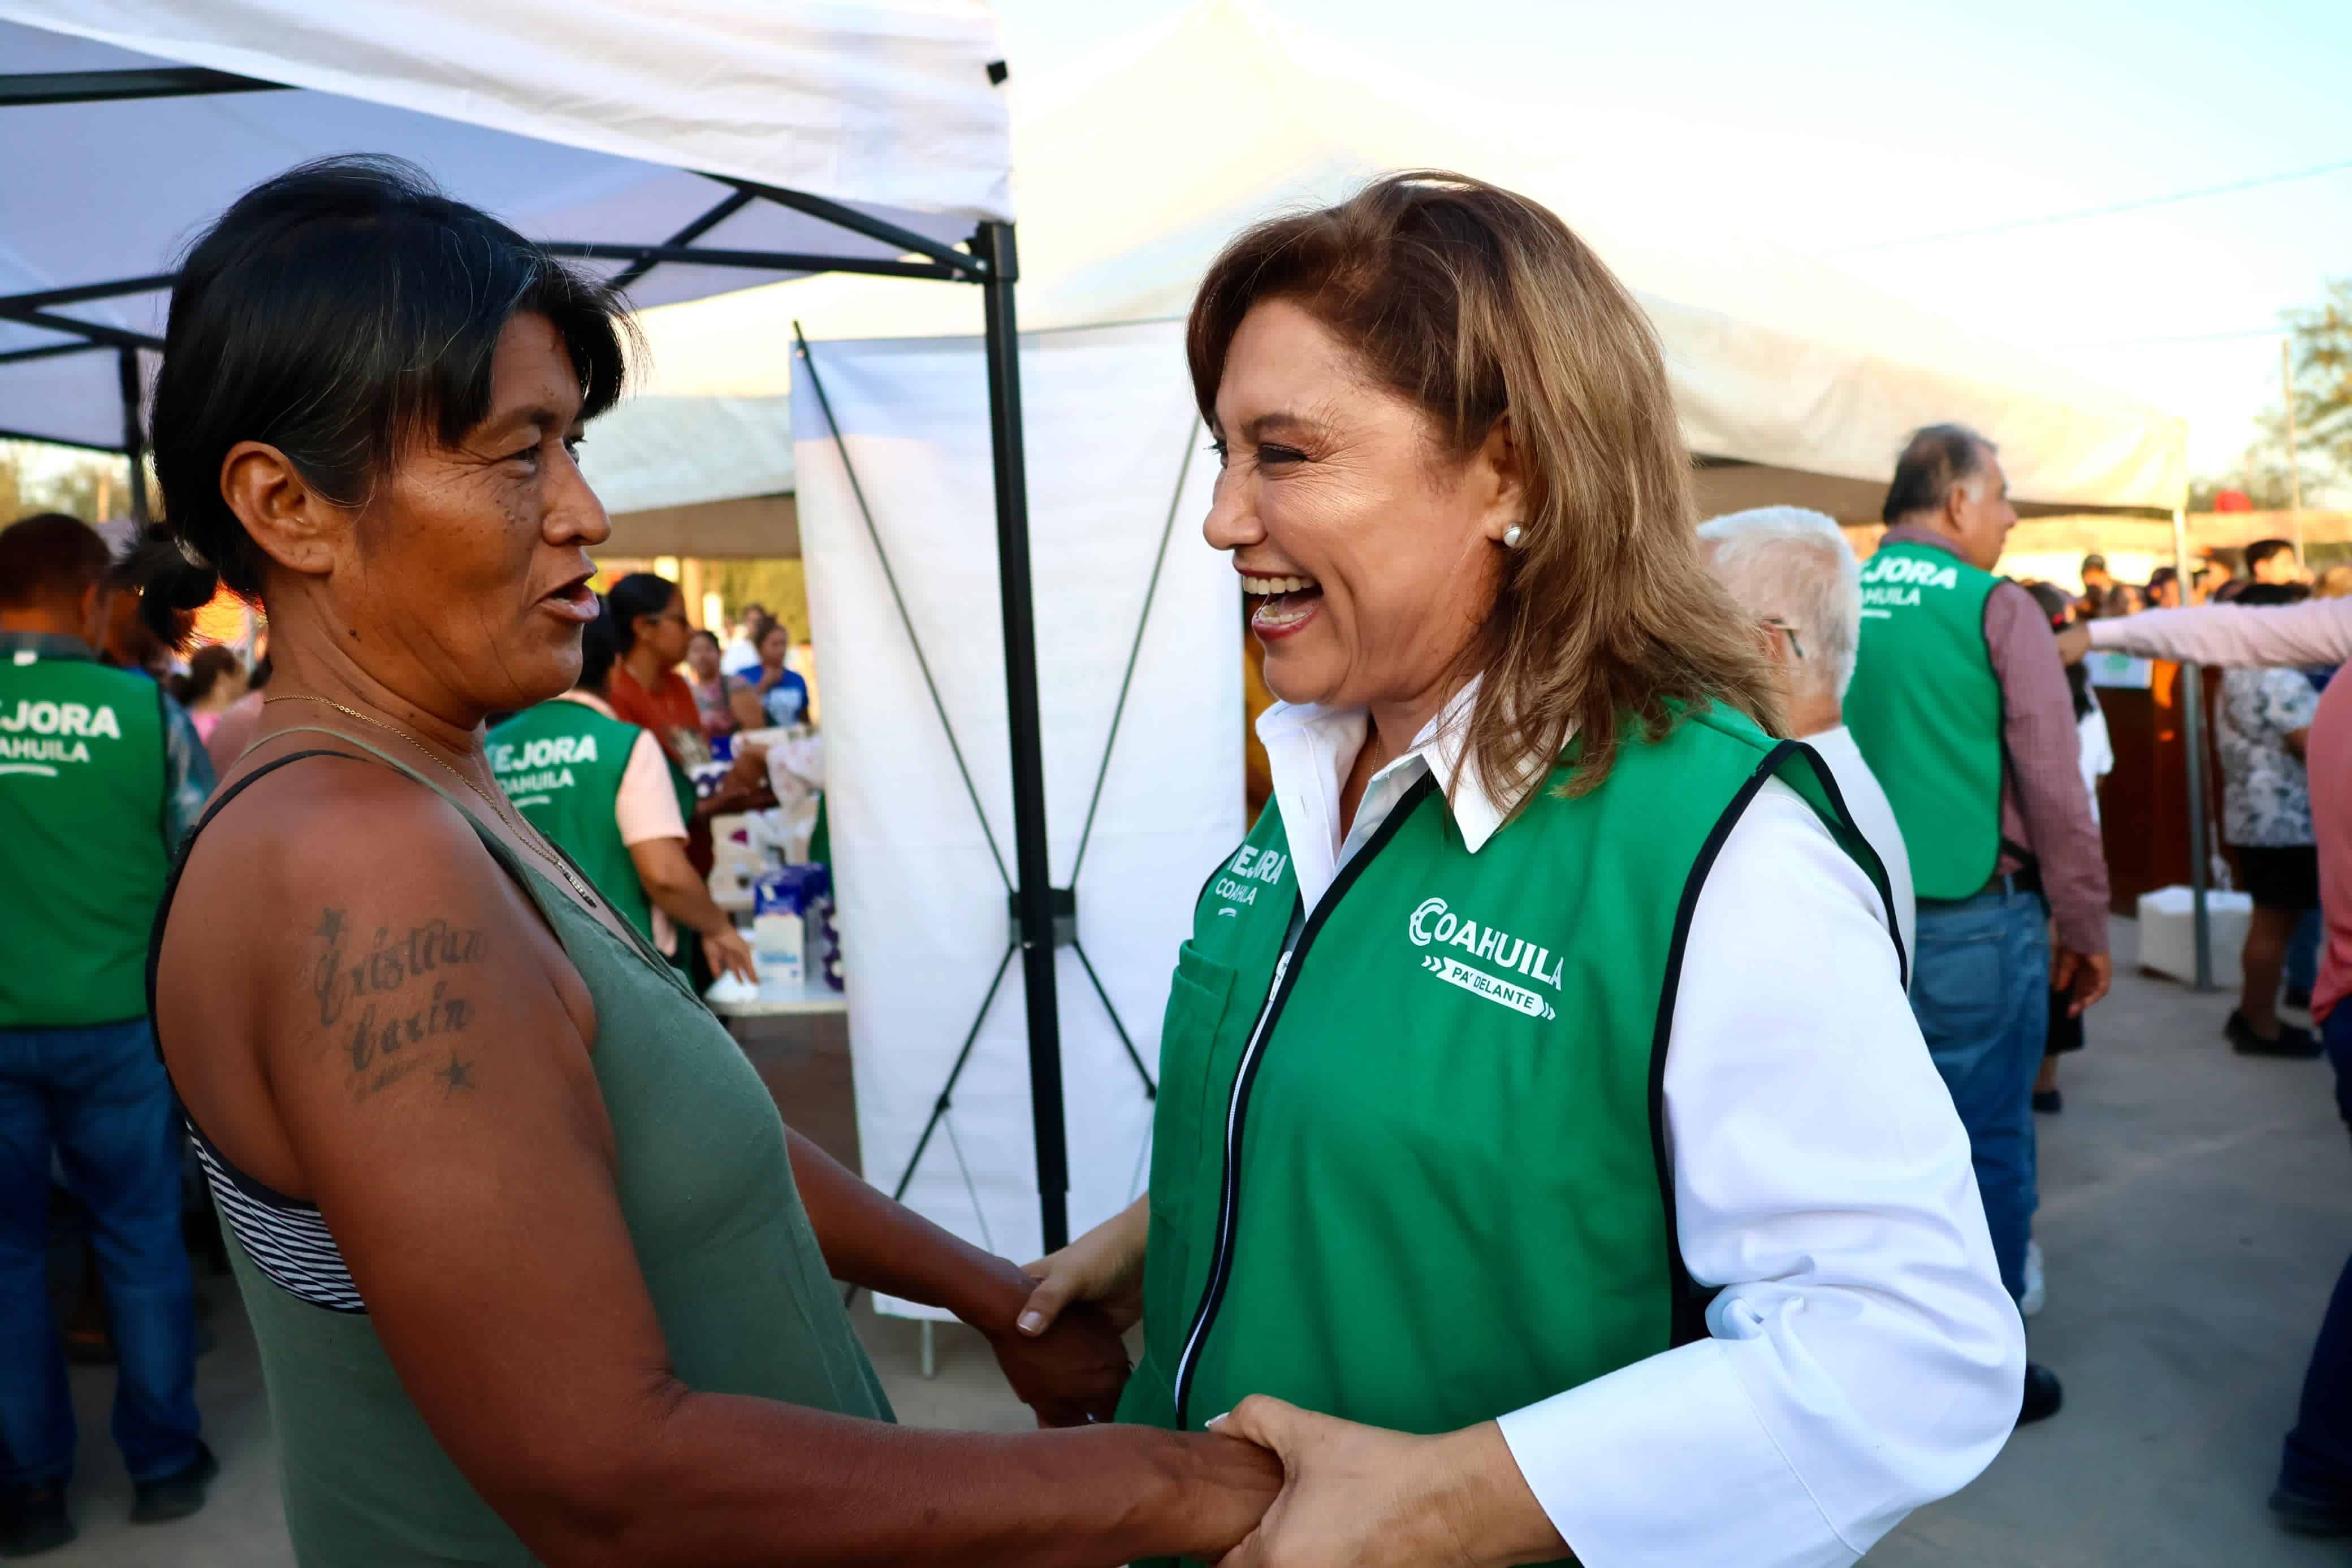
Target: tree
{"x": 2319, "y": 348}
{"x": 35, "y": 477}
{"x": 2261, "y": 478}
{"x": 2322, "y": 352}
{"x": 77, "y": 489}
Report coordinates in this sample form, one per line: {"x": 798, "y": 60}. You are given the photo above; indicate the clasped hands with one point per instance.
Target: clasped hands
{"x": 1351, "y": 1494}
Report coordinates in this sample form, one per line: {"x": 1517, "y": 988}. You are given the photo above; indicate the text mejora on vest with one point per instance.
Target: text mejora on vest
{"x": 54, "y": 732}
{"x": 1889, "y": 580}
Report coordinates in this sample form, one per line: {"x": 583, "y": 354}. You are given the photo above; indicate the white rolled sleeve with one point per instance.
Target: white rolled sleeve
{"x": 1863, "y": 1357}
{"x": 645, "y": 809}
{"x": 646, "y": 806}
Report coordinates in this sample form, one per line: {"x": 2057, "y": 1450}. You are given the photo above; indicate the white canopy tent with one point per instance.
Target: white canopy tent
{"x": 1795, "y": 382}
{"x": 598, "y": 126}
{"x": 1141, "y": 686}
{"x": 682, "y": 151}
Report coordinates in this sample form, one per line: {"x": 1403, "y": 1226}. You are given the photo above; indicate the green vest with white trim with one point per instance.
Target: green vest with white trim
{"x": 561, "y": 765}
{"x": 1408, "y": 1168}
{"x": 83, "y": 785}
{"x": 1926, "y": 711}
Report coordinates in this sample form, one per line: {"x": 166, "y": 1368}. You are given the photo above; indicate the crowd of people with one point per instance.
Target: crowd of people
{"x": 102, "y": 774}
{"x": 2293, "y": 791}
{"x": 1933, "y": 691}
{"x": 1714, "y": 942}
{"x": 1925, "y": 627}
{"x": 2260, "y": 723}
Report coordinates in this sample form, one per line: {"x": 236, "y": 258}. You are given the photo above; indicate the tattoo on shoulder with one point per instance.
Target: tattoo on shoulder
{"x": 382, "y": 1001}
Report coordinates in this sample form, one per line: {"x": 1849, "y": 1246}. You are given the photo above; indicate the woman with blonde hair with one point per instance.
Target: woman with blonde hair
{"x": 1546, "y": 1160}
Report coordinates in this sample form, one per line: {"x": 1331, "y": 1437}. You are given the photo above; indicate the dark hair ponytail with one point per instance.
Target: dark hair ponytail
{"x": 171, "y": 585}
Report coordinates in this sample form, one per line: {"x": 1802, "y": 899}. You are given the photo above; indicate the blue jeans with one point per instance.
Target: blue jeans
{"x": 98, "y": 1097}
{"x": 2318, "y": 1459}
{"x": 2302, "y": 951}
{"x": 2336, "y": 1034}
{"x": 1980, "y": 989}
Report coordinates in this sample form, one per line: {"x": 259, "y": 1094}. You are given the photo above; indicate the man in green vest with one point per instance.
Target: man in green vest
{"x": 1960, "y": 704}
{"x": 101, "y": 776}
{"x": 604, "y": 792}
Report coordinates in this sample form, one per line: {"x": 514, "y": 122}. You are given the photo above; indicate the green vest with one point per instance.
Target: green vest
{"x": 1414, "y": 1174}
{"x": 1925, "y": 711}
{"x": 705, "y": 1184}
{"x": 83, "y": 787}
{"x": 560, "y": 764}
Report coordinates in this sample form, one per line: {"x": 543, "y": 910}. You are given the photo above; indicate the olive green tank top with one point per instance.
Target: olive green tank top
{"x": 706, "y": 1187}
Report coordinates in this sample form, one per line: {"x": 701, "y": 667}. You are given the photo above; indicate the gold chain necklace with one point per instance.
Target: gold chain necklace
{"x": 521, "y": 828}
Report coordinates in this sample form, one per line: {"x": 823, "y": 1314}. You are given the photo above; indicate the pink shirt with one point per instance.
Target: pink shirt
{"x": 2316, "y": 632}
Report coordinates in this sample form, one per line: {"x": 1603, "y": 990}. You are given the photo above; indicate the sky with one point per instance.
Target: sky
{"x": 1869, "y": 134}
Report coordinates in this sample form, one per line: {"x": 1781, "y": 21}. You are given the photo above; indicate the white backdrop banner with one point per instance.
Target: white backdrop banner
{"x": 1114, "y": 445}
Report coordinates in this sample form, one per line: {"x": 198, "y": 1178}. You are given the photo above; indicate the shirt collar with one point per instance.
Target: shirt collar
{"x": 24, "y": 647}
{"x": 588, "y": 700}
{"x": 1919, "y": 534}
{"x": 1442, "y": 748}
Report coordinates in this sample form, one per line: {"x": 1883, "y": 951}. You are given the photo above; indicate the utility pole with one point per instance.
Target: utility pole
{"x": 2192, "y": 734}
{"x": 2293, "y": 473}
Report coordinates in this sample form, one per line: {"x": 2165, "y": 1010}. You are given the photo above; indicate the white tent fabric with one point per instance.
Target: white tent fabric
{"x": 662, "y": 452}
{"x": 922, "y": 910}
{"x": 579, "y": 121}
{"x": 589, "y": 122}
{"x": 1139, "y": 164}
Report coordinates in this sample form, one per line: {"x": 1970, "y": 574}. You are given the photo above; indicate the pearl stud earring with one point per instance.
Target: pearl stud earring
{"x": 1514, "y": 537}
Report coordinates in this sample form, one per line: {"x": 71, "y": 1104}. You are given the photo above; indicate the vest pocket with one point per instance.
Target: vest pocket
{"x": 1197, "y": 1000}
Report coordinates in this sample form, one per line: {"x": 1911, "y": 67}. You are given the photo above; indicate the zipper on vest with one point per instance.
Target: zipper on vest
{"x": 1285, "y": 970}
{"x": 1229, "y": 1198}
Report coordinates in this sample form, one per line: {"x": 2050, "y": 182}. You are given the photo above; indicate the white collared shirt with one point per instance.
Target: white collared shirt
{"x": 1862, "y": 1356}
{"x": 1865, "y": 802}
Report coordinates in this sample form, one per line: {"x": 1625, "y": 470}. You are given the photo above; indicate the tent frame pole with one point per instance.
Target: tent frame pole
{"x": 843, "y": 216}
{"x": 35, "y": 88}
{"x": 991, "y": 263}
{"x": 1033, "y": 894}
{"x": 134, "y": 433}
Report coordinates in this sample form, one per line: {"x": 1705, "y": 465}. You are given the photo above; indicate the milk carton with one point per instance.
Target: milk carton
{"x": 783, "y": 913}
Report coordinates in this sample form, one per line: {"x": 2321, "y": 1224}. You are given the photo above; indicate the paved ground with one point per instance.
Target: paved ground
{"x": 2197, "y": 1208}
{"x": 2197, "y": 1212}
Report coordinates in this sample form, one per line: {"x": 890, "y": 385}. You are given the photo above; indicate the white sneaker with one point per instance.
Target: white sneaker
{"x": 2036, "y": 1296}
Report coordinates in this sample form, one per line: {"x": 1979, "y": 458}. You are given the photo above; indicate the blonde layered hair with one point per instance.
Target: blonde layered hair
{"x": 1479, "y": 306}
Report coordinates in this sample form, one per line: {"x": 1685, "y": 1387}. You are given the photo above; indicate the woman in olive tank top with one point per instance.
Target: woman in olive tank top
{"x": 537, "y": 1273}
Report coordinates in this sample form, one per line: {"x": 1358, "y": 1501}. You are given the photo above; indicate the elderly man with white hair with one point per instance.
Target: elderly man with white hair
{"x": 1791, "y": 570}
